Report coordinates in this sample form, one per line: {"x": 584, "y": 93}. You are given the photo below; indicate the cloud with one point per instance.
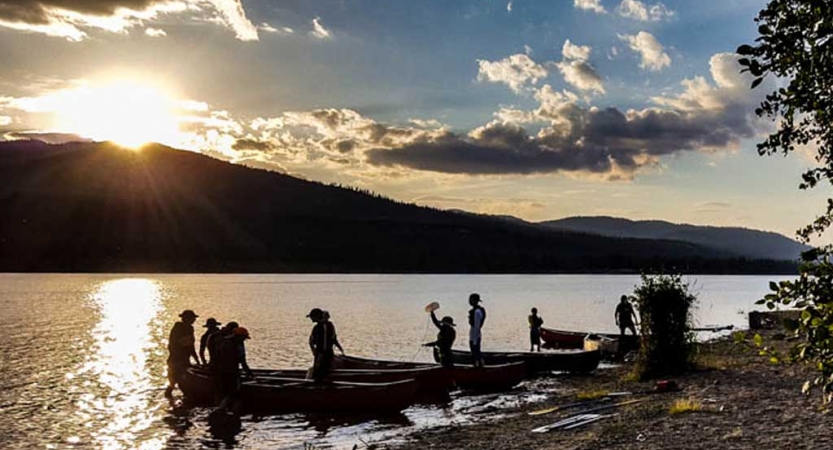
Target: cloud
{"x": 576, "y": 71}
{"x": 577, "y": 52}
{"x": 634, "y": 9}
{"x": 590, "y": 5}
{"x": 600, "y": 142}
{"x": 565, "y": 136}
{"x": 426, "y": 123}
{"x": 49, "y": 138}
{"x": 318, "y": 29}
{"x": 74, "y": 19}
{"x": 5, "y": 120}
{"x": 155, "y": 32}
{"x": 650, "y": 50}
{"x": 516, "y": 71}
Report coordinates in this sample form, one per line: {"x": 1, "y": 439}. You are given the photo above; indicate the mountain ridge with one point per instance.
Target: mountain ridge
{"x": 742, "y": 241}
{"x": 95, "y": 207}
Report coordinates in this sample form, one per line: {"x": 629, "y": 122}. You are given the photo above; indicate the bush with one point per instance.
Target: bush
{"x": 812, "y": 293}
{"x": 665, "y": 306}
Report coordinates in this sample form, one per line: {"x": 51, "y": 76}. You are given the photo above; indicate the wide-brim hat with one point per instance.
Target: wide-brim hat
{"x": 188, "y": 313}
{"x": 211, "y": 322}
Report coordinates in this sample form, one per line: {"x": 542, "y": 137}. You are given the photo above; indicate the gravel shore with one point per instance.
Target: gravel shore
{"x": 739, "y": 400}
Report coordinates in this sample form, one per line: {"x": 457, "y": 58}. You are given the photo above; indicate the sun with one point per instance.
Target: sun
{"x": 128, "y": 112}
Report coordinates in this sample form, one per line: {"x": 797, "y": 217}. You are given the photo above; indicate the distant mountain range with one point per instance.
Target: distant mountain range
{"x": 95, "y": 207}
{"x": 742, "y": 242}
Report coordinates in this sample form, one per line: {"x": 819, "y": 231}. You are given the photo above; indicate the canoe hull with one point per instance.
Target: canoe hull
{"x": 433, "y": 382}
{"x": 304, "y": 396}
{"x": 576, "y": 362}
{"x": 490, "y": 378}
{"x": 562, "y": 339}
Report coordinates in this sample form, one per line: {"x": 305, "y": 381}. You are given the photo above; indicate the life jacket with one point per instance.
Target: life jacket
{"x": 471, "y": 315}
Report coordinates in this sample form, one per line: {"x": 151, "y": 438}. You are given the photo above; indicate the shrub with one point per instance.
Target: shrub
{"x": 665, "y": 306}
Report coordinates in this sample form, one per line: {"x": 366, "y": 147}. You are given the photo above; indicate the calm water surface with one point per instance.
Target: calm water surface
{"x": 83, "y": 356}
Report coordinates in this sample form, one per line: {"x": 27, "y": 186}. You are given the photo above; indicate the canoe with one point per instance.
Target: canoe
{"x": 609, "y": 348}
{"x": 489, "y": 378}
{"x": 433, "y": 382}
{"x": 358, "y": 363}
{"x": 287, "y": 395}
{"x": 574, "y": 361}
{"x": 562, "y": 339}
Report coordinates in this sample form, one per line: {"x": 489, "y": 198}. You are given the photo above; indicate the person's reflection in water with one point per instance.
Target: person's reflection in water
{"x": 180, "y": 349}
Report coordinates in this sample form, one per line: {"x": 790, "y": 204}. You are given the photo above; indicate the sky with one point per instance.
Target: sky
{"x": 540, "y": 109}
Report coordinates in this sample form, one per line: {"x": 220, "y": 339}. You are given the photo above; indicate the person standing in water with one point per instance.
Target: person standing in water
{"x": 212, "y": 327}
{"x": 231, "y": 357}
{"x": 477, "y": 315}
{"x": 625, "y": 316}
{"x": 445, "y": 340}
{"x": 535, "y": 323}
{"x": 181, "y": 349}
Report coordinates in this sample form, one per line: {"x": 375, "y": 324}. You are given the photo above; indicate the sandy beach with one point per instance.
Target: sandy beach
{"x": 738, "y": 400}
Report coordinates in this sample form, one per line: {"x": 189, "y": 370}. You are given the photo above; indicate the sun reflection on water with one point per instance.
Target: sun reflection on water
{"x": 118, "y": 362}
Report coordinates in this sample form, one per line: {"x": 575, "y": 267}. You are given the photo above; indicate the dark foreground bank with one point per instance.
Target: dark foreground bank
{"x": 737, "y": 400}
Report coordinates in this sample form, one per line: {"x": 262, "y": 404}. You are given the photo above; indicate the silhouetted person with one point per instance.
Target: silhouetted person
{"x": 212, "y": 327}
{"x": 180, "y": 349}
{"x": 214, "y": 341}
{"x": 321, "y": 342}
{"x": 477, "y": 315}
{"x": 625, "y": 316}
{"x": 231, "y": 357}
{"x": 445, "y": 340}
{"x": 335, "y": 338}
{"x": 535, "y": 323}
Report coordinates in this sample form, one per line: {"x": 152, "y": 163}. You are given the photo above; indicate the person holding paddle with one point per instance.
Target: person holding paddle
{"x": 445, "y": 337}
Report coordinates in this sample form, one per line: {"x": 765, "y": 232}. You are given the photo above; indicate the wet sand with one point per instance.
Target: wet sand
{"x": 745, "y": 402}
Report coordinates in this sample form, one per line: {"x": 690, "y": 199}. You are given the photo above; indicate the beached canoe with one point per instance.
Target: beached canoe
{"x": 572, "y": 361}
{"x": 357, "y": 362}
{"x": 433, "y": 382}
{"x": 286, "y": 395}
{"x": 562, "y": 339}
{"x": 489, "y": 378}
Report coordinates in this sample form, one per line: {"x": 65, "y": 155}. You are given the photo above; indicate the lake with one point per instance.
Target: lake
{"x": 83, "y": 356}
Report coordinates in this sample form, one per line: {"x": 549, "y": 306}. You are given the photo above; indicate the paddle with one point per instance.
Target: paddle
{"x": 584, "y": 415}
{"x": 610, "y": 395}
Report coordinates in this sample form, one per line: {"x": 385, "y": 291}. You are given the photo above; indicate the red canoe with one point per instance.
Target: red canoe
{"x": 279, "y": 395}
{"x": 488, "y": 378}
{"x": 434, "y": 383}
{"x": 575, "y": 339}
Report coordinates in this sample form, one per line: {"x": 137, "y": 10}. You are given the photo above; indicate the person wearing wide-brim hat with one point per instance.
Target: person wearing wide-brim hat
{"x": 181, "y": 349}
{"x": 445, "y": 337}
{"x": 212, "y": 327}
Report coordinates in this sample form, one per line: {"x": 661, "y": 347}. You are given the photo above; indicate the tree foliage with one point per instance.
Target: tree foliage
{"x": 665, "y": 310}
{"x": 795, "y": 46}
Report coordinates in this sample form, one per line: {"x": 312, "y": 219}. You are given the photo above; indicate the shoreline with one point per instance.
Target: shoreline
{"x": 735, "y": 399}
